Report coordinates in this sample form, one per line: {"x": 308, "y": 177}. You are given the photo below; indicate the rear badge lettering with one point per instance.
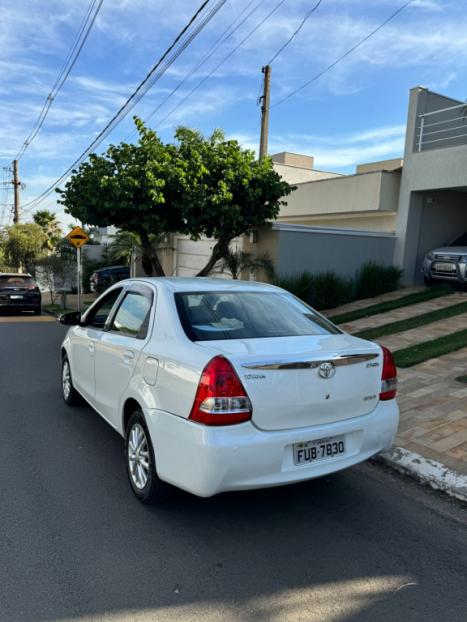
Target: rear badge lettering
{"x": 254, "y": 376}
{"x": 369, "y": 397}
{"x": 376, "y": 364}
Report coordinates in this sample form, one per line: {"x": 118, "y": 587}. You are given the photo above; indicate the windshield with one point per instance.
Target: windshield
{"x": 207, "y": 316}
{"x": 460, "y": 241}
{"x": 16, "y": 280}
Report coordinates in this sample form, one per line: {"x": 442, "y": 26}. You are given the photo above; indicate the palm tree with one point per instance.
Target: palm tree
{"x": 126, "y": 243}
{"x": 51, "y": 227}
{"x": 238, "y": 261}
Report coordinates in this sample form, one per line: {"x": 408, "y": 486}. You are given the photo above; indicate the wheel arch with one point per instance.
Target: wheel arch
{"x": 129, "y": 408}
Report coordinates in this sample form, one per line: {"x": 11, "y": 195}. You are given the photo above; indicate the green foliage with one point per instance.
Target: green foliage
{"x": 374, "y": 279}
{"x": 329, "y": 289}
{"x": 23, "y": 244}
{"x": 430, "y": 349}
{"x": 237, "y": 261}
{"x": 397, "y": 303}
{"x": 197, "y": 186}
{"x": 51, "y": 227}
{"x": 326, "y": 290}
{"x": 297, "y": 284}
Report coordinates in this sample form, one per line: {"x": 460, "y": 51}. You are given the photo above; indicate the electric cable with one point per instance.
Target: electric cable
{"x": 306, "y": 17}
{"x": 347, "y": 53}
{"x": 68, "y": 64}
{"x": 139, "y": 92}
{"x": 201, "y": 82}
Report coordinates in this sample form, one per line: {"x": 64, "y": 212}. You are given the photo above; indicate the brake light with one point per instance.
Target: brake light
{"x": 221, "y": 398}
{"x": 388, "y": 376}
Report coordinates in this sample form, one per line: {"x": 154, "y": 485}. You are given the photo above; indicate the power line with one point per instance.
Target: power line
{"x": 201, "y": 82}
{"x": 306, "y": 17}
{"x": 166, "y": 60}
{"x": 215, "y": 46}
{"x": 338, "y": 60}
{"x": 68, "y": 64}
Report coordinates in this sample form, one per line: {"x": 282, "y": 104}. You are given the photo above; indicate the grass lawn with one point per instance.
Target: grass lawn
{"x": 55, "y": 309}
{"x": 430, "y": 349}
{"x": 404, "y": 301}
{"x": 412, "y": 322}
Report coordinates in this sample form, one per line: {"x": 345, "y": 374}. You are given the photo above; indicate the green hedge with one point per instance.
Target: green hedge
{"x": 326, "y": 290}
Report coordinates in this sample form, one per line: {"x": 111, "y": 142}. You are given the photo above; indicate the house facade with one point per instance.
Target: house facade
{"x": 390, "y": 211}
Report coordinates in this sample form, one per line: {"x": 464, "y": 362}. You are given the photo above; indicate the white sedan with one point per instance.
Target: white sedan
{"x": 223, "y": 385}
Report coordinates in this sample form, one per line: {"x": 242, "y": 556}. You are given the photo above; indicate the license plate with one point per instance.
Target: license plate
{"x": 321, "y": 449}
{"x": 16, "y": 298}
{"x": 445, "y": 267}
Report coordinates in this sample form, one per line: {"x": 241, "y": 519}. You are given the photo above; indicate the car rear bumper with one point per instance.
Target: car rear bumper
{"x": 30, "y": 305}
{"x": 208, "y": 460}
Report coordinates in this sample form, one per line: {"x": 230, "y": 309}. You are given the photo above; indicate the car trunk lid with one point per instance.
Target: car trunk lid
{"x": 297, "y": 382}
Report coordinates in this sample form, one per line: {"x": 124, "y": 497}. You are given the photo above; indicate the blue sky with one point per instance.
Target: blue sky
{"x": 356, "y": 113}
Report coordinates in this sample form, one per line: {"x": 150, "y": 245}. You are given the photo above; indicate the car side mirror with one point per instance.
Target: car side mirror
{"x": 72, "y": 318}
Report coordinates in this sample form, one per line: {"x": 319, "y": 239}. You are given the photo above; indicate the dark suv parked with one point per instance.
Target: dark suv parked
{"x": 19, "y": 292}
{"x": 104, "y": 277}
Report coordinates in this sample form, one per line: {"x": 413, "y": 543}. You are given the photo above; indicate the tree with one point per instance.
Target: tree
{"x": 238, "y": 261}
{"x": 56, "y": 272}
{"x": 198, "y": 186}
{"x": 51, "y": 227}
{"x": 24, "y": 244}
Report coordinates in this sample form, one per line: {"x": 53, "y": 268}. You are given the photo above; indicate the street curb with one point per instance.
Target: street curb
{"x": 426, "y": 471}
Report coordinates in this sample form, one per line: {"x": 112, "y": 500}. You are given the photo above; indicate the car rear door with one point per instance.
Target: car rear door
{"x": 83, "y": 343}
{"x": 118, "y": 349}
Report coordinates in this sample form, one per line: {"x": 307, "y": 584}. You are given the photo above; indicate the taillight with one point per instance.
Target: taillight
{"x": 388, "y": 376}
{"x": 221, "y": 398}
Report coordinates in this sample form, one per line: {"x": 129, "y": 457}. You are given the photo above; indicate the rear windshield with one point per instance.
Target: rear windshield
{"x": 12, "y": 280}
{"x": 207, "y": 316}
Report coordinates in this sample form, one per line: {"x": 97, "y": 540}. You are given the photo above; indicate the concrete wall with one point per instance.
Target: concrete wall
{"x": 295, "y": 175}
{"x": 376, "y": 191}
{"x": 382, "y": 165}
{"x": 318, "y": 250}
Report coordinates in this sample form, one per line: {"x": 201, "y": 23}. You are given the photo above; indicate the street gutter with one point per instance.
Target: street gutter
{"x": 426, "y": 471}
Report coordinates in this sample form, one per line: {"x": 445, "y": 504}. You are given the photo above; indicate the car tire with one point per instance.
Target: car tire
{"x": 428, "y": 281}
{"x": 141, "y": 463}
{"x": 70, "y": 395}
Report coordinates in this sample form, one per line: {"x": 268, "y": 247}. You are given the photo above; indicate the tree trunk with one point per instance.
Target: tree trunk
{"x": 218, "y": 252}
{"x": 149, "y": 258}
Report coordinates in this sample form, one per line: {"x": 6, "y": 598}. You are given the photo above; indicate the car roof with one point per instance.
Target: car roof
{"x": 204, "y": 284}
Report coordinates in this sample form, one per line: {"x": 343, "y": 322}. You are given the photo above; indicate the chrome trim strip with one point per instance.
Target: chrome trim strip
{"x": 338, "y": 360}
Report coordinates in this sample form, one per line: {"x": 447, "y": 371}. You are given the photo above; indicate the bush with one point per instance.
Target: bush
{"x": 328, "y": 290}
{"x": 297, "y": 284}
{"x": 374, "y": 279}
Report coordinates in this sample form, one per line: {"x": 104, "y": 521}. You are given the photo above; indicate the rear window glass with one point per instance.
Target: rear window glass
{"x": 16, "y": 280}
{"x": 207, "y": 316}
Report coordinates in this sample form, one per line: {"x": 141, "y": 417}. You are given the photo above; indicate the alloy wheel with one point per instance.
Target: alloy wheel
{"x": 138, "y": 456}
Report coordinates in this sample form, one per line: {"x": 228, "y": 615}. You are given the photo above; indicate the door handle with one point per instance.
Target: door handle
{"x": 128, "y": 356}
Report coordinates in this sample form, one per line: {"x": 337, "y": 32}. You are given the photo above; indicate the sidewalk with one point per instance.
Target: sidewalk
{"x": 432, "y": 402}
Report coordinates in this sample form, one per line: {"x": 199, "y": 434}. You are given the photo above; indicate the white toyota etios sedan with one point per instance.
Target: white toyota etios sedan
{"x": 227, "y": 385}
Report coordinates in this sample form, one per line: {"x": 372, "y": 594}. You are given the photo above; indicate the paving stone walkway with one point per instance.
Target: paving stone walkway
{"x": 432, "y": 402}
{"x": 405, "y": 312}
{"x": 368, "y": 302}
{"x": 425, "y": 333}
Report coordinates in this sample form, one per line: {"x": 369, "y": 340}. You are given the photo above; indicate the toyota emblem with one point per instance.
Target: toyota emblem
{"x": 327, "y": 370}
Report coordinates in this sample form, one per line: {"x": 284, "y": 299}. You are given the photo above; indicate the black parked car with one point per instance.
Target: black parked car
{"x": 104, "y": 277}
{"x": 19, "y": 292}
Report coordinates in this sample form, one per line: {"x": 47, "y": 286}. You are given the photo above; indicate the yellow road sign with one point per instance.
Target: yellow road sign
{"x": 78, "y": 237}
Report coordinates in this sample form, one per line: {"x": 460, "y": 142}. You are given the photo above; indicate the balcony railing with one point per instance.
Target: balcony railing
{"x": 446, "y": 127}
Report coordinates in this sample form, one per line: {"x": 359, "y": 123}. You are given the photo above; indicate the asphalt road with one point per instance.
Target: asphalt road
{"x": 362, "y": 545}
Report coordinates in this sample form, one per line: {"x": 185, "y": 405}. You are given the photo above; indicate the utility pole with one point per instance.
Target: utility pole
{"x": 16, "y": 187}
{"x": 263, "y": 144}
